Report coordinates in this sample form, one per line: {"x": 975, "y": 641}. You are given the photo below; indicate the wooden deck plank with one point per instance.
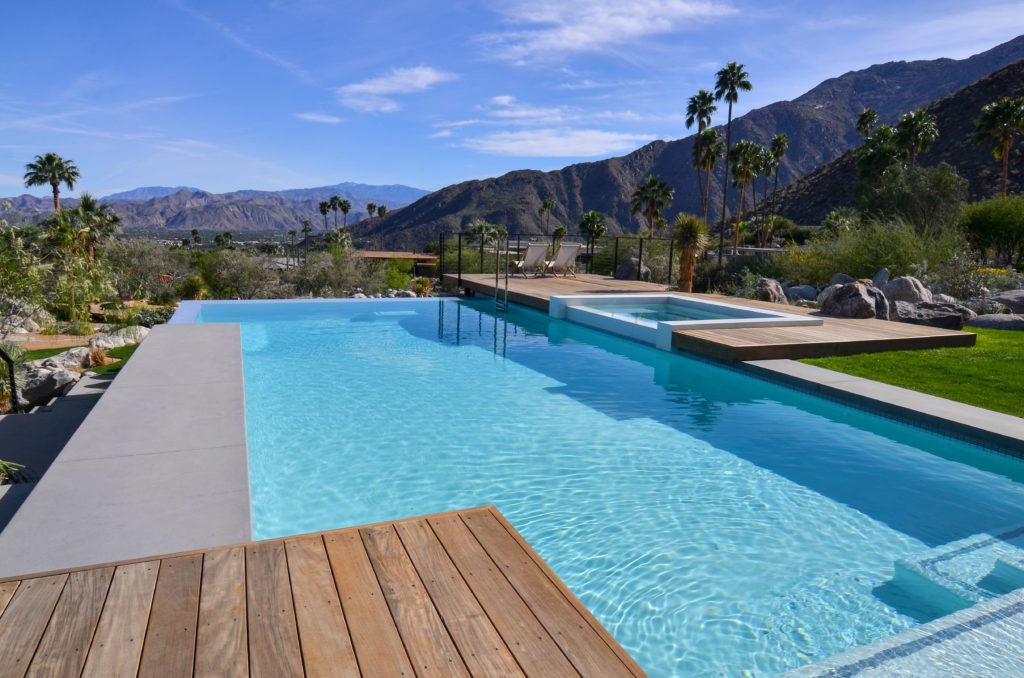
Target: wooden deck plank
{"x": 222, "y": 642}
{"x": 588, "y": 652}
{"x": 25, "y": 620}
{"x": 65, "y": 645}
{"x": 7, "y": 590}
{"x": 323, "y": 633}
{"x": 273, "y": 638}
{"x": 426, "y": 639}
{"x": 117, "y": 645}
{"x": 375, "y": 637}
{"x": 527, "y": 639}
{"x": 169, "y": 648}
{"x": 480, "y": 644}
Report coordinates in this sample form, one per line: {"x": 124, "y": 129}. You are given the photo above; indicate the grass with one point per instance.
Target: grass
{"x": 989, "y": 375}
{"x": 121, "y": 354}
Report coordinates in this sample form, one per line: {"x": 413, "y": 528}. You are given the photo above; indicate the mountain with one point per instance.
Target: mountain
{"x": 820, "y": 125}
{"x": 809, "y": 199}
{"x": 251, "y": 211}
{"x": 147, "y": 192}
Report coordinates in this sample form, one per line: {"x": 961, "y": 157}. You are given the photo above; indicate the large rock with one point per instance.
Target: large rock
{"x": 998, "y": 321}
{"x": 840, "y": 279}
{"x": 805, "y": 292}
{"x": 768, "y": 289}
{"x": 943, "y": 299}
{"x": 827, "y": 292}
{"x": 880, "y": 278}
{"x": 1012, "y": 299}
{"x": 42, "y": 383}
{"x": 906, "y": 288}
{"x": 108, "y": 342}
{"x": 946, "y": 316}
{"x": 856, "y": 300}
{"x": 628, "y": 269}
{"x": 78, "y": 358}
{"x": 131, "y": 335}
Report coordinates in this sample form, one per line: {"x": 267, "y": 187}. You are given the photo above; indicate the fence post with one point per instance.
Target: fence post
{"x": 640, "y": 259}
{"x": 481, "y": 254}
{"x": 615, "y": 260}
{"x": 459, "y": 283}
{"x": 440, "y": 255}
{"x": 671, "y": 247}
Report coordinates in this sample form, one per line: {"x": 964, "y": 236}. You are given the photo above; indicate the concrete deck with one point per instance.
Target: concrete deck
{"x": 159, "y": 465}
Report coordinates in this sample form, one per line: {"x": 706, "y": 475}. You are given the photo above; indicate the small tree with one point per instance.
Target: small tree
{"x": 690, "y": 234}
{"x": 999, "y": 122}
{"x": 997, "y": 226}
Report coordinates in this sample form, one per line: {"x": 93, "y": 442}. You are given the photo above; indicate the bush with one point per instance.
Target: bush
{"x": 996, "y": 226}
{"x": 144, "y": 269}
{"x": 153, "y": 315}
{"x": 929, "y": 198}
{"x": 394, "y": 277}
{"x": 191, "y": 287}
{"x": 421, "y": 286}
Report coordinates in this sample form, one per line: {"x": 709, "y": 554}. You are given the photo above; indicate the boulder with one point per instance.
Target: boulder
{"x": 906, "y": 288}
{"x": 856, "y": 300}
{"x": 1012, "y": 299}
{"x": 943, "y": 299}
{"x": 358, "y": 295}
{"x": 998, "y": 321}
{"x": 406, "y": 294}
{"x": 628, "y": 269}
{"x": 805, "y": 292}
{"x": 43, "y": 383}
{"x": 880, "y": 278}
{"x": 72, "y": 359}
{"x": 768, "y": 289}
{"x": 804, "y": 303}
{"x": 131, "y": 335}
{"x": 840, "y": 279}
{"x": 946, "y": 316}
{"x": 827, "y": 292}
{"x": 108, "y": 342}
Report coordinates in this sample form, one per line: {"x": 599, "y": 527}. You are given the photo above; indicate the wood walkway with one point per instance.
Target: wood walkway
{"x": 837, "y": 336}
{"x": 453, "y": 594}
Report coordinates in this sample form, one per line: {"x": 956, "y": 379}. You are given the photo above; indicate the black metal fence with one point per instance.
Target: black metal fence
{"x": 466, "y": 254}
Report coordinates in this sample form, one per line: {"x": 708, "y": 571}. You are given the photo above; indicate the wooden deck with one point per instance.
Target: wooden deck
{"x": 837, "y": 336}
{"x": 454, "y": 594}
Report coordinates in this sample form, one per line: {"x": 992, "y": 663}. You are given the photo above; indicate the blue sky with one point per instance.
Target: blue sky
{"x": 275, "y": 94}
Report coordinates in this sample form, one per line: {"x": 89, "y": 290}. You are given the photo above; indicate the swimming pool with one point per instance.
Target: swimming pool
{"x": 714, "y": 522}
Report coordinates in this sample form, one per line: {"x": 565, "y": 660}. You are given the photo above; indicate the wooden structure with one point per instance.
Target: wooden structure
{"x": 837, "y": 336}
{"x": 453, "y": 594}
{"x": 423, "y": 264}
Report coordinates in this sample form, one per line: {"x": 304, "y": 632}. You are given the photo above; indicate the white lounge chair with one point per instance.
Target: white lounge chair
{"x": 565, "y": 260}
{"x": 533, "y": 260}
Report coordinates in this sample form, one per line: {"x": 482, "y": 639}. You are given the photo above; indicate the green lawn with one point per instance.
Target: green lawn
{"x": 989, "y": 375}
{"x": 122, "y": 354}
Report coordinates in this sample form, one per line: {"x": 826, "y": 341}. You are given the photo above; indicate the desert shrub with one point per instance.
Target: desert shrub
{"x": 191, "y": 287}
{"x": 1001, "y": 279}
{"x": 395, "y": 277}
{"x": 144, "y": 269}
{"x": 336, "y": 274}
{"x": 996, "y": 227}
{"x": 956, "y": 276}
{"x": 231, "y": 273}
{"x": 154, "y": 315}
{"x": 929, "y": 198}
{"x": 421, "y": 286}
{"x": 9, "y": 471}
{"x": 97, "y": 356}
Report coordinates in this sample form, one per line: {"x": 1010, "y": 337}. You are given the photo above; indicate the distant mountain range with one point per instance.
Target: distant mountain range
{"x": 160, "y": 208}
{"x": 820, "y": 125}
{"x": 809, "y": 199}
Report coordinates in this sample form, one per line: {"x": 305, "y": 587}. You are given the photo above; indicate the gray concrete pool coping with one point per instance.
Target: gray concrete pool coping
{"x": 160, "y": 465}
{"x": 995, "y": 430}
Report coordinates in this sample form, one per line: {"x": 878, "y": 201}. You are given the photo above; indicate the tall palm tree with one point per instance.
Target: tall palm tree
{"x": 743, "y": 156}
{"x": 999, "y": 121}
{"x": 545, "y": 211}
{"x": 593, "y": 227}
{"x": 53, "y": 170}
{"x": 699, "y": 109}
{"x": 345, "y": 206}
{"x": 650, "y": 199}
{"x": 382, "y": 211}
{"x": 325, "y": 207}
{"x": 867, "y": 121}
{"x": 690, "y": 233}
{"x": 917, "y": 131}
{"x": 196, "y": 237}
{"x": 778, "y": 146}
{"x": 371, "y": 211}
{"x": 291, "y": 238}
{"x": 765, "y": 167}
{"x": 97, "y": 221}
{"x": 306, "y": 230}
{"x": 729, "y": 81}
{"x": 707, "y": 149}
{"x": 335, "y": 202}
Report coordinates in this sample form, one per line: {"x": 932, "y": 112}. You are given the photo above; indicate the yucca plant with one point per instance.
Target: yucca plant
{"x": 690, "y": 233}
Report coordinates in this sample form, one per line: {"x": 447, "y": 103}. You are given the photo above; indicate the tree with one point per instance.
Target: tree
{"x": 335, "y": 203}
{"x": 592, "y": 226}
{"x": 382, "y": 211}
{"x": 53, "y": 170}
{"x": 867, "y": 121}
{"x": 879, "y": 152}
{"x": 371, "y": 211}
{"x": 291, "y": 238}
{"x": 765, "y": 165}
{"x": 707, "y": 149}
{"x": 999, "y": 121}
{"x": 779, "y": 145}
{"x": 916, "y": 132}
{"x": 545, "y": 211}
{"x": 197, "y": 239}
{"x": 699, "y": 109}
{"x": 690, "y": 234}
{"x": 744, "y": 157}
{"x": 998, "y": 225}
{"x": 306, "y": 230}
{"x": 326, "y": 206}
{"x": 345, "y": 206}
{"x": 339, "y": 237}
{"x": 97, "y": 221}
{"x": 490, "y": 235}
{"x": 650, "y": 199}
{"x": 929, "y": 198}
{"x": 729, "y": 81}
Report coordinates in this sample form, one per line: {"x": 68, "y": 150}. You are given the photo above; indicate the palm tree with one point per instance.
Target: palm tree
{"x": 593, "y": 227}
{"x": 371, "y": 211}
{"x": 999, "y": 121}
{"x": 97, "y": 222}
{"x": 291, "y": 238}
{"x": 916, "y": 131}
{"x": 699, "y": 109}
{"x": 707, "y": 149}
{"x": 650, "y": 199}
{"x": 778, "y": 146}
{"x": 196, "y": 237}
{"x": 744, "y": 157}
{"x": 867, "y": 121}
{"x": 765, "y": 164}
{"x": 306, "y": 230}
{"x": 335, "y": 202}
{"x": 690, "y": 233}
{"x": 325, "y": 207}
{"x": 382, "y": 211}
{"x": 345, "y": 206}
{"x": 53, "y": 170}
{"x": 545, "y": 211}
{"x": 728, "y": 83}
{"x": 881, "y": 150}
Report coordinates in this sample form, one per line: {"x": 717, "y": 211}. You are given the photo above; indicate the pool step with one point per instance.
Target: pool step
{"x": 965, "y": 572}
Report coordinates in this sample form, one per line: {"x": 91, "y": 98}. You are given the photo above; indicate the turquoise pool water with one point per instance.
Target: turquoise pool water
{"x": 664, "y": 311}
{"x": 717, "y": 524}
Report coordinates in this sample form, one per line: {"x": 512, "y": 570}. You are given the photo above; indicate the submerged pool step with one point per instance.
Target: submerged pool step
{"x": 965, "y": 572}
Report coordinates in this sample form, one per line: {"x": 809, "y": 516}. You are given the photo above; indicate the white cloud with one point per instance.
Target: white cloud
{"x": 441, "y": 134}
{"x": 556, "y": 142}
{"x": 546, "y": 29}
{"x": 322, "y": 118}
{"x": 374, "y": 95}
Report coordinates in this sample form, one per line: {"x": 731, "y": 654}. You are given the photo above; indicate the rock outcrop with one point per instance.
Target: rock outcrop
{"x": 998, "y": 321}
{"x": 1012, "y": 299}
{"x": 856, "y": 300}
{"x": 628, "y": 270}
{"x": 906, "y": 288}
{"x": 946, "y": 316}
{"x": 769, "y": 290}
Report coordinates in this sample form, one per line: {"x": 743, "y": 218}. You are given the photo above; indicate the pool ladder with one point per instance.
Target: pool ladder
{"x": 501, "y": 295}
